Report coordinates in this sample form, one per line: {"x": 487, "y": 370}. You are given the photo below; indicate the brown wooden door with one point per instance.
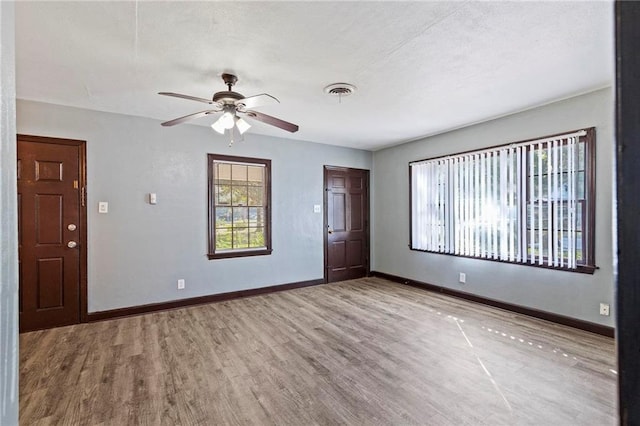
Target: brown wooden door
{"x": 49, "y": 223}
{"x": 346, "y": 223}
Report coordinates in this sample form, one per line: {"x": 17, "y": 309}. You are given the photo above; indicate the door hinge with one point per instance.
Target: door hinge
{"x": 75, "y": 184}
{"x": 82, "y": 196}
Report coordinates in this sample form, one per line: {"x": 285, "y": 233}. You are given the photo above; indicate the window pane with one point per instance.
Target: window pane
{"x": 223, "y": 217}
{"x": 544, "y": 244}
{"x": 544, "y": 156}
{"x": 579, "y": 221}
{"x": 562, "y": 242}
{"x": 239, "y": 195}
{"x": 534, "y": 221}
{"x": 539, "y": 247}
{"x": 564, "y": 211}
{"x": 256, "y": 216}
{"x": 540, "y": 156}
{"x": 239, "y": 172}
{"x": 240, "y": 238}
{"x": 240, "y": 216}
{"x": 565, "y": 157}
{"x": 223, "y": 195}
{"x": 535, "y": 161}
{"x": 579, "y": 254}
{"x": 580, "y": 158}
{"x": 256, "y": 237}
{"x": 541, "y": 193}
{"x": 581, "y": 183}
{"x": 255, "y": 175}
{"x": 564, "y": 194}
{"x": 223, "y": 173}
{"x": 223, "y": 239}
{"x": 256, "y": 194}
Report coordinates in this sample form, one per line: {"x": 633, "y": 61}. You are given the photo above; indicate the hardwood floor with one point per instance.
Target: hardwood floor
{"x": 366, "y": 351}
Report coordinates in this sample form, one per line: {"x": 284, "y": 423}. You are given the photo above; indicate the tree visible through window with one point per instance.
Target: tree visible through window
{"x": 529, "y": 202}
{"x": 239, "y": 206}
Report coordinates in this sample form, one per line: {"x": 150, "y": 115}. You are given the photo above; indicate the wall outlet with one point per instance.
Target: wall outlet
{"x": 463, "y": 278}
{"x": 180, "y": 284}
{"x": 604, "y": 309}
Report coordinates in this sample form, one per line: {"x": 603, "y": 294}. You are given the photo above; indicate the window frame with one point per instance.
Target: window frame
{"x": 225, "y": 254}
{"x": 589, "y": 265}
{"x": 585, "y": 204}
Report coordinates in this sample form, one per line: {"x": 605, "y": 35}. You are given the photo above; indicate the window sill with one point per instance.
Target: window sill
{"x": 581, "y": 269}
{"x": 239, "y": 253}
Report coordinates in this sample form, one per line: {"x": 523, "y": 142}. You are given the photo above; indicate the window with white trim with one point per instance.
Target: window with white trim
{"x": 528, "y": 202}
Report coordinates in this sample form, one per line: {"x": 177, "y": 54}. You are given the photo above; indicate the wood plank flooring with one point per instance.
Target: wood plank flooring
{"x": 359, "y": 352}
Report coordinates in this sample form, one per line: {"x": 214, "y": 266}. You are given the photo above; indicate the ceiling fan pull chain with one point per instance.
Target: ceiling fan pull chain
{"x": 231, "y": 134}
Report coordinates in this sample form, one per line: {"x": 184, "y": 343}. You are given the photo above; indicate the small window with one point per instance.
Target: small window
{"x": 529, "y": 202}
{"x": 239, "y": 206}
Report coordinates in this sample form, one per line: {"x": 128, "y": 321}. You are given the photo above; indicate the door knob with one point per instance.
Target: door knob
{"x": 329, "y": 230}
{"x": 72, "y": 244}
{"x": 71, "y": 227}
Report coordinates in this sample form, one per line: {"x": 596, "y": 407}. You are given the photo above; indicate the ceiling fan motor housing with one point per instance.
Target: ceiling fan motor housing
{"x": 227, "y": 97}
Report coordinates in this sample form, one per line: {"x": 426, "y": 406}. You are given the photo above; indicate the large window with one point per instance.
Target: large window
{"x": 528, "y": 202}
{"x": 239, "y": 206}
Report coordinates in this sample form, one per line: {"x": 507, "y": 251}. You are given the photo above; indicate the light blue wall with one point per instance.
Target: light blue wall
{"x": 566, "y": 293}
{"x": 8, "y": 223}
{"x": 137, "y": 251}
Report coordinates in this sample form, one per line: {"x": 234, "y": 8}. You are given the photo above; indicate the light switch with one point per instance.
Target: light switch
{"x": 317, "y": 208}
{"x": 103, "y": 207}
{"x": 152, "y": 198}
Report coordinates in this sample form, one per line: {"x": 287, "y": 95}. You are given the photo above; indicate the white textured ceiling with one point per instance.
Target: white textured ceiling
{"x": 421, "y": 68}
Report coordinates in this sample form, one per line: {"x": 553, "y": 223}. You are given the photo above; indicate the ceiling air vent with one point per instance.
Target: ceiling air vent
{"x": 340, "y": 89}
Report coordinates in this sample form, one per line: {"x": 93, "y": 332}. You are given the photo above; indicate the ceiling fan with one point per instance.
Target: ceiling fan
{"x": 233, "y": 106}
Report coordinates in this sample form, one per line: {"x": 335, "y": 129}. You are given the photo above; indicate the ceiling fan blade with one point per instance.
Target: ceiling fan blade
{"x": 191, "y": 98}
{"x": 256, "y": 101}
{"x": 284, "y": 125}
{"x": 188, "y": 117}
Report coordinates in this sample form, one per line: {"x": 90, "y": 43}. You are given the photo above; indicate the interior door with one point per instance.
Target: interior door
{"x": 346, "y": 223}
{"x": 50, "y": 231}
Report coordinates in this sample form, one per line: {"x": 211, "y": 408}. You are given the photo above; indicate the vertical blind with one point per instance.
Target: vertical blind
{"x": 517, "y": 203}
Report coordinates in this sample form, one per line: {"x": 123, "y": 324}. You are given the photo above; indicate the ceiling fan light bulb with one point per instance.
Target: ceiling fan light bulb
{"x": 227, "y": 120}
{"x": 242, "y": 125}
{"x": 218, "y": 126}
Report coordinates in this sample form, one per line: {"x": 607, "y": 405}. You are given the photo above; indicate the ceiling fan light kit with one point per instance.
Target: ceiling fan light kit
{"x": 226, "y": 121}
{"x": 241, "y": 125}
{"x": 231, "y": 104}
